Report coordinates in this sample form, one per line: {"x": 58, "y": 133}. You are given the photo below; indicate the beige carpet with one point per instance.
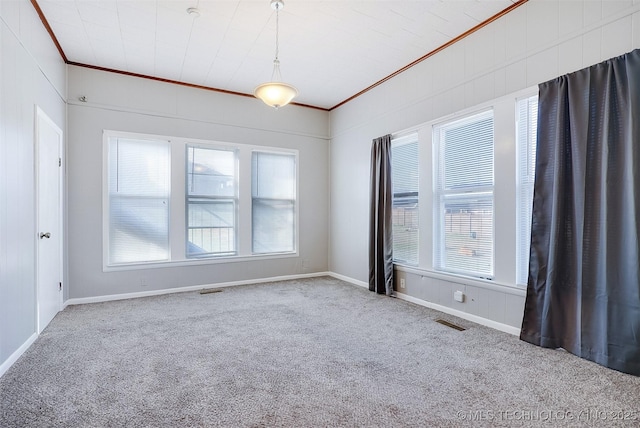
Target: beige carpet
{"x": 308, "y": 353}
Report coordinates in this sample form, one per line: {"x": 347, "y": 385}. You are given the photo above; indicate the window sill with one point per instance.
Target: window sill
{"x": 463, "y": 280}
{"x": 197, "y": 262}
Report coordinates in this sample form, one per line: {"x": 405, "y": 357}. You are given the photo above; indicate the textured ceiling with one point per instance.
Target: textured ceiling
{"x": 330, "y": 50}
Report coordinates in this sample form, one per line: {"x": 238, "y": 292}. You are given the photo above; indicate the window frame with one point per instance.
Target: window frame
{"x": 398, "y": 141}
{"x": 525, "y": 181}
{"x": 442, "y": 195}
{"x": 293, "y": 201}
{"x": 107, "y": 196}
{"x": 178, "y": 209}
{"x": 228, "y": 199}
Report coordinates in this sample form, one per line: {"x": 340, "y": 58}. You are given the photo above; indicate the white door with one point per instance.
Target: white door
{"x": 49, "y": 230}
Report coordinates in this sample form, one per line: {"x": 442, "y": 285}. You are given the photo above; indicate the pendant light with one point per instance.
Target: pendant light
{"x": 276, "y": 93}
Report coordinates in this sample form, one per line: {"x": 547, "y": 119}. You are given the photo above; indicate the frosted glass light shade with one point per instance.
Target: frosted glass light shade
{"x": 275, "y": 94}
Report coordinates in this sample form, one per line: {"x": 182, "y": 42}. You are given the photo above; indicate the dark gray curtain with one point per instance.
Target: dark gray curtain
{"x": 583, "y": 292}
{"x": 380, "y": 233}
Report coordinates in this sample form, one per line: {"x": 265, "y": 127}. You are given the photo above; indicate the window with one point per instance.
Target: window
{"x": 463, "y": 195}
{"x": 273, "y": 202}
{"x": 404, "y": 171}
{"x": 138, "y": 197}
{"x": 174, "y": 200}
{"x": 526, "y": 137}
{"x": 211, "y": 200}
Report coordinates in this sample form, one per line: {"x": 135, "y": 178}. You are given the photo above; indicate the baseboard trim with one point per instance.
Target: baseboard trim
{"x": 469, "y": 317}
{"x": 14, "y": 357}
{"x": 124, "y": 296}
{"x": 348, "y": 279}
{"x": 97, "y": 299}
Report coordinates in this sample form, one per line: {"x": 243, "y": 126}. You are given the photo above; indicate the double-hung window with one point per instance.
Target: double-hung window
{"x": 463, "y": 195}
{"x": 178, "y": 200}
{"x": 273, "y": 202}
{"x": 526, "y": 138}
{"x": 138, "y": 197}
{"x": 211, "y": 201}
{"x": 404, "y": 178}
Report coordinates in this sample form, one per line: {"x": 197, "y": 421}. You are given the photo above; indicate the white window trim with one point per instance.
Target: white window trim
{"x": 296, "y": 230}
{"x": 504, "y": 193}
{"x": 519, "y": 190}
{"x": 396, "y": 141}
{"x": 234, "y": 198}
{"x": 439, "y": 195}
{"x": 177, "y": 225}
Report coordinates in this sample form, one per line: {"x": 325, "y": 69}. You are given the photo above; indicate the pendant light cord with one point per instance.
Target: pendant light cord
{"x": 276, "y": 76}
{"x": 277, "y": 28}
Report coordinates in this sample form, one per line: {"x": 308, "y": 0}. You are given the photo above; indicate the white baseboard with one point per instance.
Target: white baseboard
{"x": 469, "y": 317}
{"x": 464, "y": 315}
{"x": 14, "y": 357}
{"x": 111, "y": 297}
{"x": 349, "y": 279}
{"x": 78, "y": 301}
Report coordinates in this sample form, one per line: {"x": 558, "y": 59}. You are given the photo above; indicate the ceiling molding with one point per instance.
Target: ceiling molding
{"x": 36, "y": 6}
{"x": 484, "y": 23}
{"x": 177, "y": 82}
{"x": 435, "y": 51}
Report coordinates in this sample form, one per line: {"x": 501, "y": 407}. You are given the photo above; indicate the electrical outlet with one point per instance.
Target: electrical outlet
{"x": 458, "y": 296}
{"x": 402, "y": 283}
{"x": 143, "y": 282}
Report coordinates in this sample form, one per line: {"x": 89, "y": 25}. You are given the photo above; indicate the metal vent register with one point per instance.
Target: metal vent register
{"x": 450, "y": 324}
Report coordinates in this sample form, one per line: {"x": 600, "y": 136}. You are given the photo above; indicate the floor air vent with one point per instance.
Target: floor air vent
{"x": 210, "y": 290}
{"x": 450, "y": 324}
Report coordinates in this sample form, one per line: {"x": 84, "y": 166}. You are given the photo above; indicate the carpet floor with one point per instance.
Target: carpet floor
{"x": 305, "y": 353}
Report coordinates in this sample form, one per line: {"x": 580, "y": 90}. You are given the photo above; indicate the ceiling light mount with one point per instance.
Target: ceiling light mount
{"x": 276, "y": 93}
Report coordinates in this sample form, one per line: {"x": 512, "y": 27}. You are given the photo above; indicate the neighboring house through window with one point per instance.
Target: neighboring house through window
{"x": 211, "y": 201}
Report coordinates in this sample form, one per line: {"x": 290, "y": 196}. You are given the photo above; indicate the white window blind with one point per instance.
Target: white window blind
{"x": 211, "y": 200}
{"x": 273, "y": 190}
{"x": 463, "y": 203}
{"x": 526, "y": 138}
{"x": 138, "y": 191}
{"x": 405, "y": 174}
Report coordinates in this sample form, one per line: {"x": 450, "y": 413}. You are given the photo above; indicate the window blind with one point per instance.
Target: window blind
{"x": 139, "y": 190}
{"x": 463, "y": 204}
{"x": 526, "y": 137}
{"x": 273, "y": 189}
{"x": 405, "y": 180}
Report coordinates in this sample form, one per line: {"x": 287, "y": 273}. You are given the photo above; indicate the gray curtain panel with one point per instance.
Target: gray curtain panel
{"x": 380, "y": 232}
{"x": 583, "y": 292}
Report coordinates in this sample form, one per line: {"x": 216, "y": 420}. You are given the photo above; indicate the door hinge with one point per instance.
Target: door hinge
{"x": 59, "y": 286}
{"x": 59, "y": 161}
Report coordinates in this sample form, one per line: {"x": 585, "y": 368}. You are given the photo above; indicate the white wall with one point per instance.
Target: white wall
{"x": 124, "y": 103}
{"x": 534, "y": 43}
{"x": 31, "y": 73}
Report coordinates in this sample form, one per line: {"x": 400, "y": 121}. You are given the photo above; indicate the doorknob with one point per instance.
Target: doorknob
{"x": 45, "y": 235}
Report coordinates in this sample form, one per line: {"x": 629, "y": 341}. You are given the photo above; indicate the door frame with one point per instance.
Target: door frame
{"x": 41, "y": 115}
